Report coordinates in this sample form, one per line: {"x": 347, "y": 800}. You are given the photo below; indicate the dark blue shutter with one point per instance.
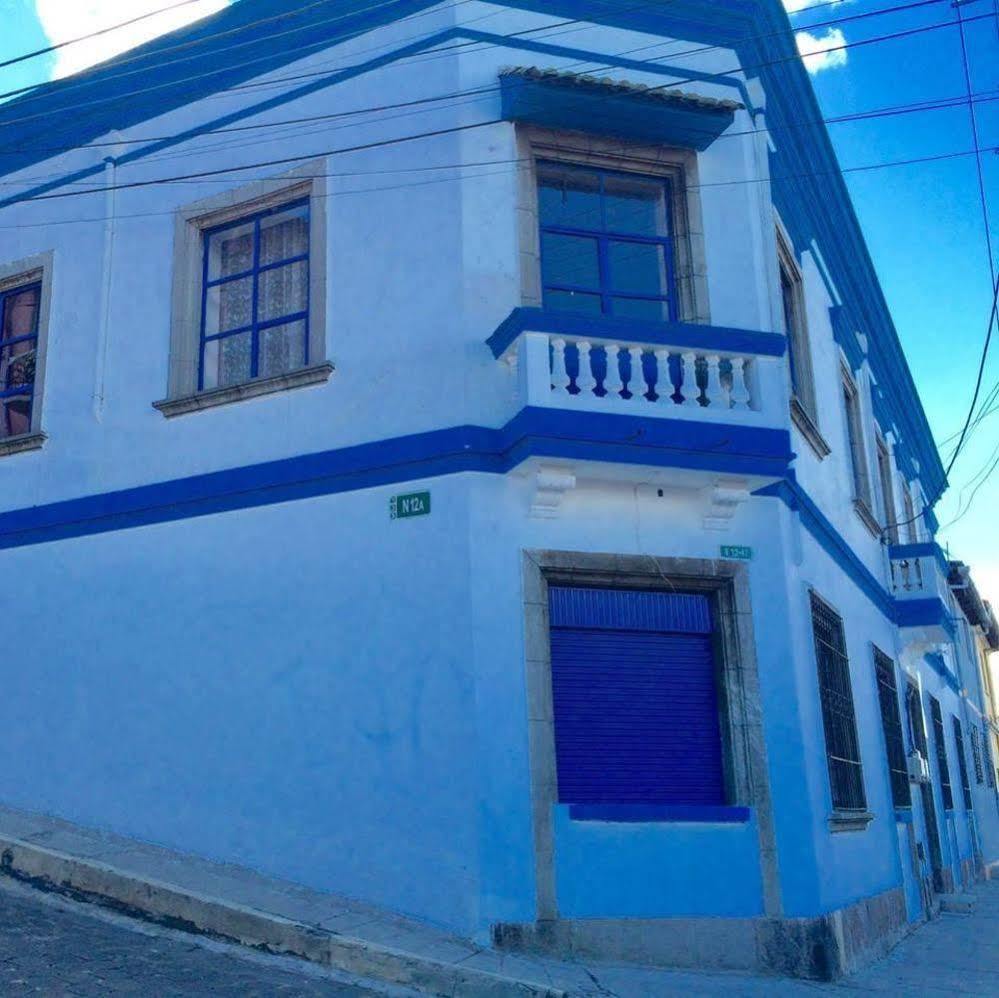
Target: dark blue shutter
{"x": 635, "y": 698}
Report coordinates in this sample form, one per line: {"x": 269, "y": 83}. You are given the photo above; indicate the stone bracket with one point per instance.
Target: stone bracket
{"x": 550, "y": 485}
{"x": 722, "y": 500}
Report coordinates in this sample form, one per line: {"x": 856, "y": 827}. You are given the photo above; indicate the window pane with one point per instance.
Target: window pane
{"x": 568, "y": 197}
{"x": 283, "y": 291}
{"x": 229, "y": 306}
{"x": 20, "y": 313}
{"x": 635, "y": 205}
{"x": 573, "y": 301}
{"x": 17, "y": 365}
{"x": 15, "y": 416}
{"x": 637, "y": 268}
{"x": 284, "y": 235}
{"x": 570, "y": 260}
{"x": 230, "y": 251}
{"x": 282, "y": 348}
{"x": 228, "y": 361}
{"x": 641, "y": 308}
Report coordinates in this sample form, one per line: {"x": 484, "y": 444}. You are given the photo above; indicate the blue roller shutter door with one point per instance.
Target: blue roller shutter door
{"x": 635, "y": 698}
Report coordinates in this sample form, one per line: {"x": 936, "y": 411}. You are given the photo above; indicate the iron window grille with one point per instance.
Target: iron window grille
{"x": 19, "y": 310}
{"x": 255, "y": 297}
{"x": 962, "y": 764}
{"x": 607, "y": 242}
{"x": 990, "y": 773}
{"x": 941, "y": 747}
{"x": 914, "y": 714}
{"x": 976, "y": 754}
{"x": 846, "y": 777}
{"x": 891, "y": 723}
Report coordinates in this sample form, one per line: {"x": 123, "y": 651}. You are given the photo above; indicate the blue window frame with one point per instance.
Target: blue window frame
{"x": 606, "y": 242}
{"x": 255, "y": 297}
{"x": 19, "y": 308}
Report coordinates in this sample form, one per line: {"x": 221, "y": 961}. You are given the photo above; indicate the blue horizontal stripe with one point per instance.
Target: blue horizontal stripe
{"x": 673, "y": 334}
{"x": 649, "y": 813}
{"x": 614, "y": 438}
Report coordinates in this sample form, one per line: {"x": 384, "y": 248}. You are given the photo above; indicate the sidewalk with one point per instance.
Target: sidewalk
{"x": 956, "y": 954}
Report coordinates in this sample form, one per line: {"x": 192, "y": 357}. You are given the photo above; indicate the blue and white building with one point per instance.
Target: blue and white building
{"x": 458, "y": 455}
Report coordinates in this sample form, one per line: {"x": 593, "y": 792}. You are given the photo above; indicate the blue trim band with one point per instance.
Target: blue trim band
{"x": 606, "y": 327}
{"x": 660, "y": 813}
{"x": 554, "y": 433}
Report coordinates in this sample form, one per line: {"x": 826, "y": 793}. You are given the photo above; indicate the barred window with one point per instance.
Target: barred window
{"x": 846, "y": 775}
{"x": 941, "y": 747}
{"x": 891, "y": 723}
{"x": 990, "y": 772}
{"x": 962, "y": 764}
{"x": 914, "y": 711}
{"x": 976, "y": 754}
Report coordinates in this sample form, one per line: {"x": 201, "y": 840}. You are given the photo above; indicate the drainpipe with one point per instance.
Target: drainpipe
{"x": 104, "y": 326}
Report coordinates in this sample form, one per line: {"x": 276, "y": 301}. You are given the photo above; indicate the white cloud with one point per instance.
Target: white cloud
{"x": 63, "y": 20}
{"x": 815, "y": 50}
{"x": 793, "y": 6}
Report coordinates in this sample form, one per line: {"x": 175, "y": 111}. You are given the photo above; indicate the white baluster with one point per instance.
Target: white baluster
{"x": 560, "y": 377}
{"x": 637, "y": 385}
{"x": 585, "y": 381}
{"x": 664, "y": 385}
{"x": 740, "y": 392}
{"x": 613, "y": 384}
{"x": 690, "y": 390}
{"x": 714, "y": 390}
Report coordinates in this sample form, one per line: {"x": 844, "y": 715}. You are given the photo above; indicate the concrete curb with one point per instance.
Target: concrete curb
{"x": 178, "y": 908}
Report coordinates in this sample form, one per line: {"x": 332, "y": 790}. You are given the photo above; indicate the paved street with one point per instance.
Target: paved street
{"x": 49, "y": 946}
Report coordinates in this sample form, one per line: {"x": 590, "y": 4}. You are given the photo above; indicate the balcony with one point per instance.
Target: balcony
{"x": 919, "y": 583}
{"x": 704, "y": 374}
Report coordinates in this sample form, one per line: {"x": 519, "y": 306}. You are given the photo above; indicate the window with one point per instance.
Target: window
{"x": 635, "y": 699}
{"x": 891, "y": 723}
{"x": 962, "y": 763}
{"x": 990, "y": 773}
{"x": 909, "y": 509}
{"x": 842, "y": 748}
{"x": 976, "y": 754}
{"x": 941, "y": 747}
{"x": 855, "y": 437}
{"x": 606, "y": 242}
{"x": 796, "y": 328}
{"x": 255, "y": 299}
{"x": 249, "y": 293}
{"x": 889, "y": 518}
{"x": 20, "y": 308}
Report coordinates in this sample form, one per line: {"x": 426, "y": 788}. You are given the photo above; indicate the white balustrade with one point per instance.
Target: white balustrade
{"x": 637, "y": 376}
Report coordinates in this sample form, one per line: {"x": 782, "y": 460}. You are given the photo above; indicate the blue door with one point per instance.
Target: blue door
{"x": 635, "y": 698}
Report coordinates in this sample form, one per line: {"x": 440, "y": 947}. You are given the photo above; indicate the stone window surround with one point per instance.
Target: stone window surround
{"x": 31, "y": 270}
{"x": 855, "y": 385}
{"x": 580, "y": 149}
{"x": 804, "y": 411}
{"x": 727, "y": 584}
{"x": 307, "y": 180}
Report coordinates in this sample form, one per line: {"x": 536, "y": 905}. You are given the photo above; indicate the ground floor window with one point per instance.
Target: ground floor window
{"x": 635, "y": 697}
{"x": 891, "y": 723}
{"x": 846, "y": 774}
{"x": 941, "y": 746}
{"x": 962, "y": 763}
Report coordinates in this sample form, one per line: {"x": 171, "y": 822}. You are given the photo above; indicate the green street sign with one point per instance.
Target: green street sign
{"x": 737, "y": 552}
{"x": 409, "y": 505}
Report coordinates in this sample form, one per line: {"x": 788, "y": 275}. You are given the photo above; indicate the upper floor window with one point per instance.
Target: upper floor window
{"x": 255, "y": 302}
{"x": 796, "y": 327}
{"x": 889, "y": 519}
{"x": 20, "y": 308}
{"x": 607, "y": 242}
{"x": 846, "y": 775}
{"x": 909, "y": 509}
{"x": 855, "y": 438}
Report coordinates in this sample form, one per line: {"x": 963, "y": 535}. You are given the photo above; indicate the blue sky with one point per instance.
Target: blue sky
{"x": 923, "y": 221}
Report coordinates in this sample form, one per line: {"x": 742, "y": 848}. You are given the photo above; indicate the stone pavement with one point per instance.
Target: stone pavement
{"x": 52, "y": 946}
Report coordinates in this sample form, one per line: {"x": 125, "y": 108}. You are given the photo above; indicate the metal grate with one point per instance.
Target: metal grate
{"x": 941, "y": 747}
{"x": 962, "y": 764}
{"x": 891, "y": 722}
{"x": 976, "y": 754}
{"x": 846, "y": 776}
{"x": 990, "y": 773}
